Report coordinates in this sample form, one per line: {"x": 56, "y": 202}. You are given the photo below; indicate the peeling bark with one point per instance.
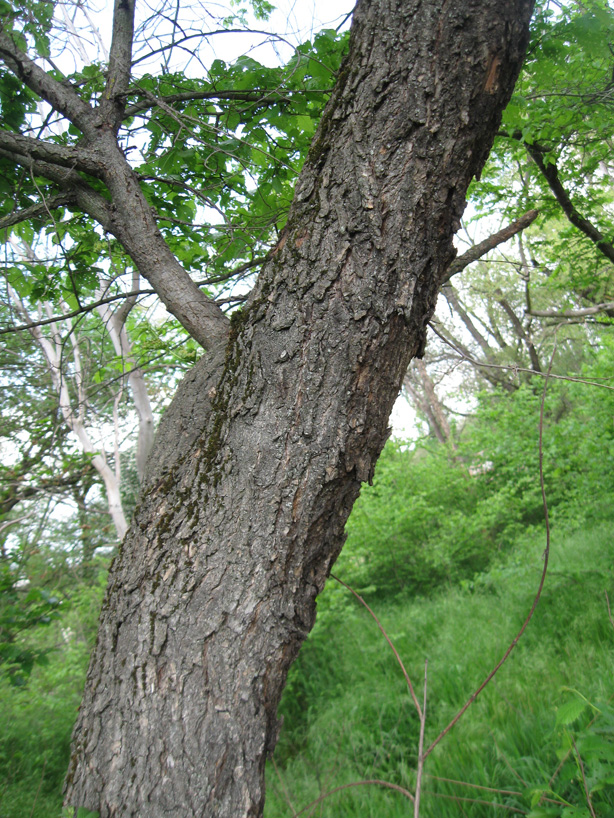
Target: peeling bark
{"x": 261, "y": 455}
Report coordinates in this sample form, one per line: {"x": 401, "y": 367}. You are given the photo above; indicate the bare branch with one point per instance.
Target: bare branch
{"x": 121, "y": 316}
{"x": 375, "y": 781}
{"x": 521, "y": 332}
{"x": 453, "y": 299}
{"x": 261, "y": 97}
{"x": 387, "y": 638}
{"x": 200, "y": 34}
{"x": 421, "y": 756}
{"x": 475, "y": 253}
{"x": 75, "y": 313}
{"x": 582, "y": 313}
{"x": 466, "y": 356}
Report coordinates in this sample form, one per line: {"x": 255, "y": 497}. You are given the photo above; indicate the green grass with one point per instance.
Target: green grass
{"x": 349, "y": 717}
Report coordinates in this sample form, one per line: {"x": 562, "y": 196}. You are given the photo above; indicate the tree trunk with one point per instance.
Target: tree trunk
{"x": 260, "y": 457}
{"x": 421, "y": 389}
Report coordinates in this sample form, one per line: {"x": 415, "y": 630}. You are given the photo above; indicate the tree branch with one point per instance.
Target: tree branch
{"x": 200, "y": 34}
{"x": 69, "y": 180}
{"x": 35, "y": 211}
{"x": 61, "y": 96}
{"x": 479, "y": 250}
{"x": 582, "y": 313}
{"x": 551, "y": 175}
{"x": 113, "y": 101}
{"x": 520, "y": 332}
{"x": 75, "y": 313}
{"x": 264, "y": 96}
{"x": 66, "y": 156}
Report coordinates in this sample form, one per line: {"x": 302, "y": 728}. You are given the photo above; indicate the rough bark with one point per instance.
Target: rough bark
{"x": 261, "y": 455}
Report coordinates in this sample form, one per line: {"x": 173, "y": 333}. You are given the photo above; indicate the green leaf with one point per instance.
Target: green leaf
{"x": 570, "y": 711}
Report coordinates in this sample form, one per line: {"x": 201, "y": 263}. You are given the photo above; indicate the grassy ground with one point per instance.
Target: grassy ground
{"x": 349, "y": 716}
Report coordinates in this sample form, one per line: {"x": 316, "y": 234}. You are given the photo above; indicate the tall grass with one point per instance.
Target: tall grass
{"x": 348, "y": 715}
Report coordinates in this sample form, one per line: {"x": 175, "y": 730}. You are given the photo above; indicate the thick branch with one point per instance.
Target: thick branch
{"x": 85, "y": 197}
{"x": 66, "y": 156}
{"x": 479, "y": 250}
{"x": 61, "y": 96}
{"x": 133, "y": 223}
{"x": 551, "y": 175}
{"x": 120, "y": 61}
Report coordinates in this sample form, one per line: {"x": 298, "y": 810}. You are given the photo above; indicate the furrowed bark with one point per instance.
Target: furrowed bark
{"x": 261, "y": 455}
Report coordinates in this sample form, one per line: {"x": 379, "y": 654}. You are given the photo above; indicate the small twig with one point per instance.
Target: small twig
{"x": 376, "y": 781}
{"x": 40, "y": 784}
{"x": 421, "y": 747}
{"x": 473, "y": 786}
{"x": 513, "y": 367}
{"x": 546, "y": 555}
{"x": 284, "y": 788}
{"x": 387, "y": 638}
{"x": 476, "y": 801}
{"x": 588, "y": 797}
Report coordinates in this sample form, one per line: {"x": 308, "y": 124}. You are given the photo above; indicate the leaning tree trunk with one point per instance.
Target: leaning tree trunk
{"x": 261, "y": 456}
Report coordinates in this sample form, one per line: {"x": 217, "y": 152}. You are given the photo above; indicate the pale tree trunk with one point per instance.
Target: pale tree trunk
{"x": 261, "y": 455}
{"x": 421, "y": 390}
{"x": 115, "y": 322}
{"x": 73, "y": 410}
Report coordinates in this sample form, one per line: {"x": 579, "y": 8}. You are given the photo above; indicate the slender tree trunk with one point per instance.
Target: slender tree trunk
{"x": 116, "y": 327}
{"x": 74, "y": 416}
{"x": 261, "y": 455}
{"x": 421, "y": 389}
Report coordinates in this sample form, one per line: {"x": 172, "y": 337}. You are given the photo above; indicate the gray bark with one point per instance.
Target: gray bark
{"x": 261, "y": 455}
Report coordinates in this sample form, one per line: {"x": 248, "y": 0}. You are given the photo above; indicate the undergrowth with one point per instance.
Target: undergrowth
{"x": 348, "y": 715}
